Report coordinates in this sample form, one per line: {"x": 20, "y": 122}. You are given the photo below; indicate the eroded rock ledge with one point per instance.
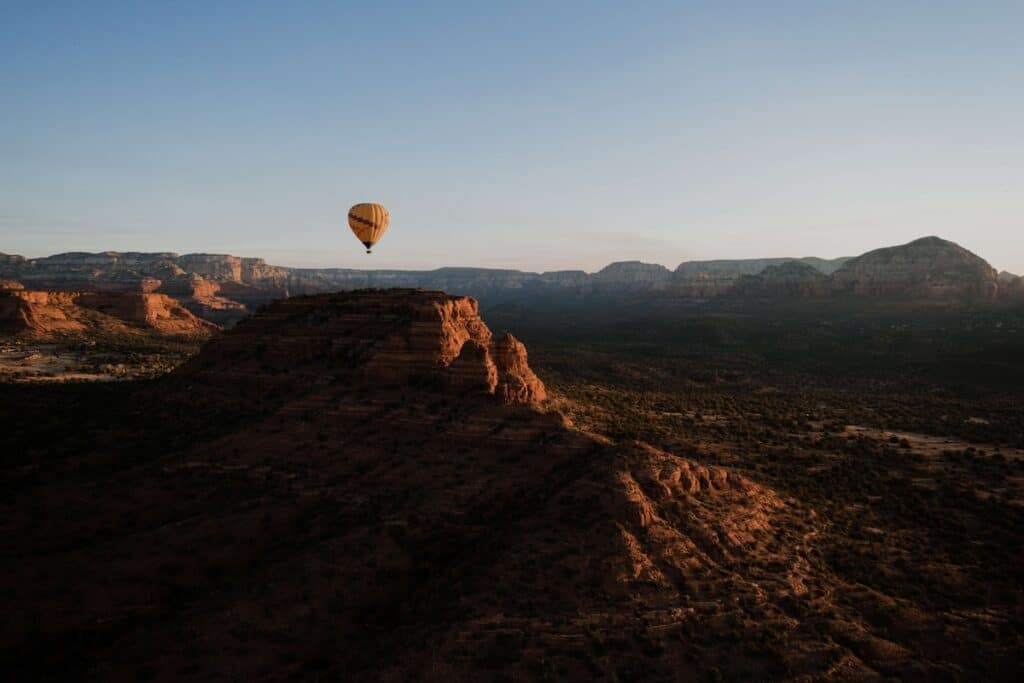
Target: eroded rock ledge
{"x": 45, "y": 315}
{"x": 378, "y": 338}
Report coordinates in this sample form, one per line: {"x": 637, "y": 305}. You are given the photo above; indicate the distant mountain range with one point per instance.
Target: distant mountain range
{"x": 225, "y": 288}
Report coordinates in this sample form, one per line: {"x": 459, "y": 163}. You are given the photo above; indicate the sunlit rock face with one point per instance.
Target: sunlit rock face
{"x": 516, "y": 382}
{"x": 928, "y": 268}
{"x": 46, "y": 315}
{"x": 375, "y": 338}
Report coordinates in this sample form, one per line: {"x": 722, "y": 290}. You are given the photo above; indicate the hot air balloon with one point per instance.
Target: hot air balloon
{"x": 368, "y": 222}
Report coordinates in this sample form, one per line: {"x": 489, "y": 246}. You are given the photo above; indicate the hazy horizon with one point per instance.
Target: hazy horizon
{"x": 669, "y": 266}
{"x": 537, "y": 137}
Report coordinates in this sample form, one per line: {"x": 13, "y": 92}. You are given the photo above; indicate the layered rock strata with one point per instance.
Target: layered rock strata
{"x": 56, "y": 314}
{"x": 391, "y": 337}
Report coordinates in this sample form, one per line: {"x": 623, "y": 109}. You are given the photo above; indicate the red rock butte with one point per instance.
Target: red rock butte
{"x": 379, "y": 338}
{"x": 43, "y": 315}
{"x": 369, "y": 481}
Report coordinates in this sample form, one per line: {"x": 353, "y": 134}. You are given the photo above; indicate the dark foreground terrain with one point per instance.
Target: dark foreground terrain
{"x": 745, "y": 495}
{"x": 900, "y": 430}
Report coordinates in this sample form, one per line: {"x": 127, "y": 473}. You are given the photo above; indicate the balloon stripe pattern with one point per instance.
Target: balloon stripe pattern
{"x": 368, "y": 223}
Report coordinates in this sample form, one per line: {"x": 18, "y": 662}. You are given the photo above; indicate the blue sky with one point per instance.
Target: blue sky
{"x": 527, "y": 135}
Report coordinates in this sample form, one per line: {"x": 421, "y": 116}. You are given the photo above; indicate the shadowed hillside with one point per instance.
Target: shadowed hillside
{"x": 373, "y": 486}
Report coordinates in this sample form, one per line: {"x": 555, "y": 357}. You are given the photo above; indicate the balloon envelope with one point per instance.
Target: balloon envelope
{"x": 368, "y": 223}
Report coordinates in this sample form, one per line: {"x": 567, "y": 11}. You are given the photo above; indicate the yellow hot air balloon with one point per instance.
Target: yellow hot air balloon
{"x": 368, "y": 222}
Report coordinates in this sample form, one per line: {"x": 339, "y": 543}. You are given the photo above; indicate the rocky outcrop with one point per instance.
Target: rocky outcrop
{"x": 79, "y": 271}
{"x": 789, "y": 280}
{"x": 929, "y": 268}
{"x": 157, "y": 312}
{"x": 44, "y": 315}
{"x": 16, "y": 315}
{"x": 232, "y": 268}
{"x": 713, "y": 279}
{"x": 734, "y": 268}
{"x": 516, "y": 381}
{"x": 395, "y": 337}
{"x": 1006, "y": 278}
{"x": 1011, "y": 288}
{"x": 203, "y": 297}
{"x": 1012, "y": 291}
{"x": 472, "y": 371}
{"x": 11, "y": 260}
{"x": 633, "y": 275}
{"x": 576, "y": 279}
{"x": 10, "y": 285}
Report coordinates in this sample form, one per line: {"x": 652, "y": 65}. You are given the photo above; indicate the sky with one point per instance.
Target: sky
{"x": 532, "y": 135}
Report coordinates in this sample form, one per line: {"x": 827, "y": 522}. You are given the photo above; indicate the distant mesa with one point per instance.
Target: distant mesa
{"x": 732, "y": 268}
{"x": 929, "y": 268}
{"x": 633, "y": 274}
{"x": 789, "y": 280}
{"x": 224, "y": 288}
{"x": 11, "y": 260}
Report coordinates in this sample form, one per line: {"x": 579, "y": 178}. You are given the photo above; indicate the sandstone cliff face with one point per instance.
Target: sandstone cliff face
{"x": 203, "y": 298}
{"x": 928, "y": 268}
{"x": 15, "y": 314}
{"x": 79, "y": 271}
{"x": 472, "y": 371}
{"x": 377, "y": 338}
{"x": 232, "y": 268}
{"x": 157, "y": 312}
{"x": 45, "y": 315}
{"x": 516, "y": 381}
{"x": 41, "y": 314}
